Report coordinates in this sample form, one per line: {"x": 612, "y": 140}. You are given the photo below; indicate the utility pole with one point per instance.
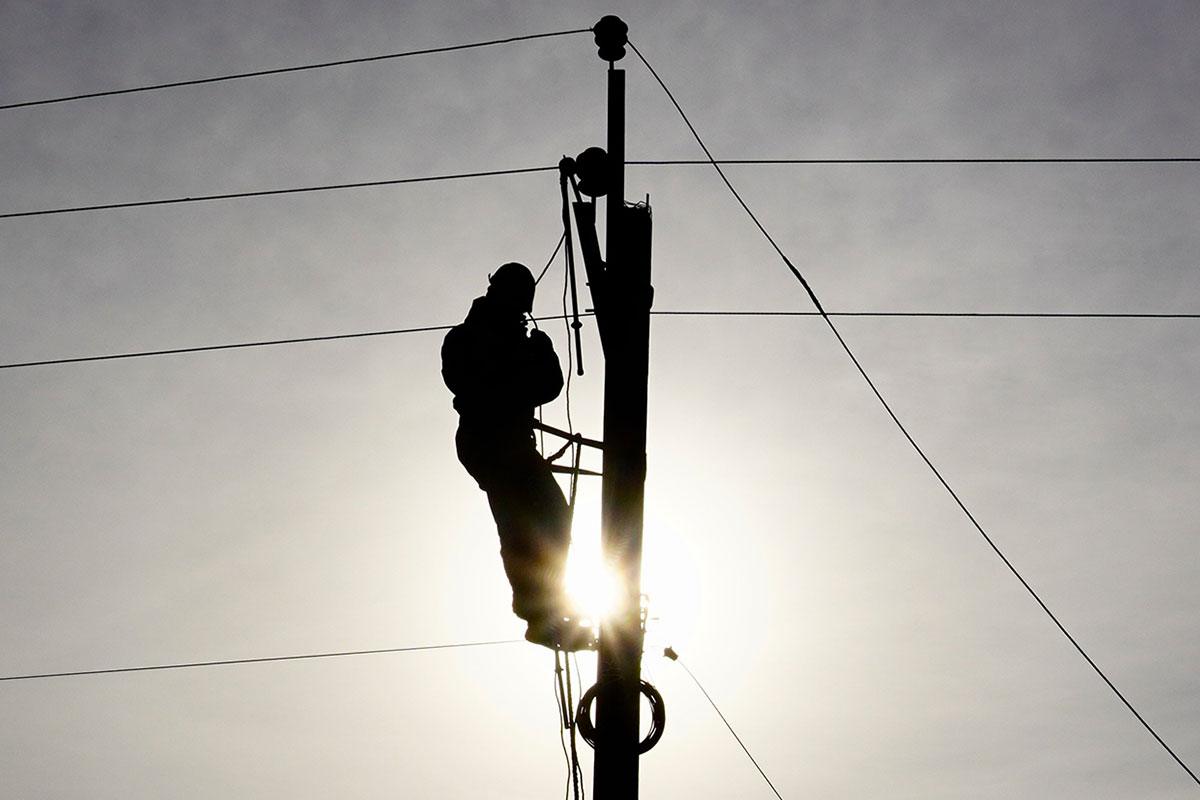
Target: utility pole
{"x": 622, "y": 302}
{"x": 621, "y": 296}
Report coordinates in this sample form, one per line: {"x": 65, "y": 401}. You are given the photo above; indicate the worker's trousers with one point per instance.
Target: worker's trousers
{"x": 530, "y": 512}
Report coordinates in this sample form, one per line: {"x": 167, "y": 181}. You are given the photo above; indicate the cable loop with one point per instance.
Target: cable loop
{"x": 658, "y": 716}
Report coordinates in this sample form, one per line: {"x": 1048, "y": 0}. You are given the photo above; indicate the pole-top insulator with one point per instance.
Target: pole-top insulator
{"x": 591, "y": 166}
{"x": 611, "y": 34}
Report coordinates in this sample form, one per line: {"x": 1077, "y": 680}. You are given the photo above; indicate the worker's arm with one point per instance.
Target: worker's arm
{"x": 455, "y": 355}
{"x": 545, "y": 378}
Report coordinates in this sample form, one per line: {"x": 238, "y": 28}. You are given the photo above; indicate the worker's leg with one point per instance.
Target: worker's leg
{"x": 531, "y": 517}
{"x": 532, "y": 520}
{"x": 552, "y": 526}
{"x": 527, "y": 574}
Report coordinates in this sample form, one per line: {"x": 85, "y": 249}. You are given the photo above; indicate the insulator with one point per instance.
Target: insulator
{"x": 591, "y": 166}
{"x": 611, "y": 34}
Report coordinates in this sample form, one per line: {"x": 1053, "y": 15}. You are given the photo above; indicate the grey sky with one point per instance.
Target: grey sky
{"x": 854, "y": 628}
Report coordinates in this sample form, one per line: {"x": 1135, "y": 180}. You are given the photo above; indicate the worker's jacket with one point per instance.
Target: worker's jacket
{"x": 498, "y": 375}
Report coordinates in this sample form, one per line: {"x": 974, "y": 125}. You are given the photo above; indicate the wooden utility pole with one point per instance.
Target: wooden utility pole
{"x": 622, "y": 305}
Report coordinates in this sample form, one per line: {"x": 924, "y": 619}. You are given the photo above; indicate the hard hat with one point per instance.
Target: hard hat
{"x": 513, "y": 283}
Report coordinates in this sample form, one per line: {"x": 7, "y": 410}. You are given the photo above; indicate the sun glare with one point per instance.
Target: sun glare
{"x": 592, "y": 588}
{"x": 668, "y": 574}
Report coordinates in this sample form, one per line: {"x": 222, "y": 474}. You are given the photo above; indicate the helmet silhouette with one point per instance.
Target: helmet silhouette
{"x": 512, "y": 285}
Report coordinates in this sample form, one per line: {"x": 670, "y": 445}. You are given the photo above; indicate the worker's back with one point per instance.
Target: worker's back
{"x": 498, "y": 374}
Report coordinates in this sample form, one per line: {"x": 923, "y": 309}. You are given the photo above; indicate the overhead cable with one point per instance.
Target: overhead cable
{"x": 932, "y": 314}
{"x": 299, "y": 68}
{"x": 903, "y": 430}
{"x": 527, "y": 170}
{"x": 233, "y": 346}
{"x": 679, "y": 162}
{"x": 431, "y": 328}
{"x": 268, "y": 192}
{"x": 267, "y": 659}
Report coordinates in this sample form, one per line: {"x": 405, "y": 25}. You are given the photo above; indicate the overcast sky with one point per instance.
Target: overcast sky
{"x": 855, "y": 629}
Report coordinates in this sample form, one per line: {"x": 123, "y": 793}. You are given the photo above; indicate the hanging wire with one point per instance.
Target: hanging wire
{"x": 570, "y": 368}
{"x": 541, "y": 433}
{"x": 563, "y": 691}
{"x": 562, "y": 737}
{"x": 671, "y": 654}
{"x": 904, "y": 431}
{"x": 550, "y": 260}
{"x": 563, "y": 722}
{"x": 576, "y": 769}
{"x": 564, "y": 174}
{"x": 575, "y": 479}
{"x": 298, "y": 68}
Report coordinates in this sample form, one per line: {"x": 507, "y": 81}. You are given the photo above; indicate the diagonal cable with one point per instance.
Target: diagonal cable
{"x": 263, "y": 660}
{"x": 903, "y": 430}
{"x": 713, "y": 703}
{"x": 298, "y": 68}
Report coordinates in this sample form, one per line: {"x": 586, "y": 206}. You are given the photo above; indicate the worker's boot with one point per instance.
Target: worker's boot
{"x": 561, "y": 633}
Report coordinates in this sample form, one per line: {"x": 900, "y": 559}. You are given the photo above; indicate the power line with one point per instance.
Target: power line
{"x": 299, "y": 68}
{"x": 267, "y": 192}
{"x": 527, "y": 170}
{"x": 887, "y": 407}
{"x": 934, "y": 314}
{"x": 233, "y": 346}
{"x": 268, "y": 659}
{"x": 669, "y": 313}
{"x": 713, "y": 703}
{"x": 679, "y": 162}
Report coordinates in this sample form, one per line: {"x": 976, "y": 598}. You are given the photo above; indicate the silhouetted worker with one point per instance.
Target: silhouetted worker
{"x": 499, "y": 375}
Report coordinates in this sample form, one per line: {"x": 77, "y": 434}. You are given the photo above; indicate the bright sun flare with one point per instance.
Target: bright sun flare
{"x": 591, "y": 586}
{"x": 594, "y": 590}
